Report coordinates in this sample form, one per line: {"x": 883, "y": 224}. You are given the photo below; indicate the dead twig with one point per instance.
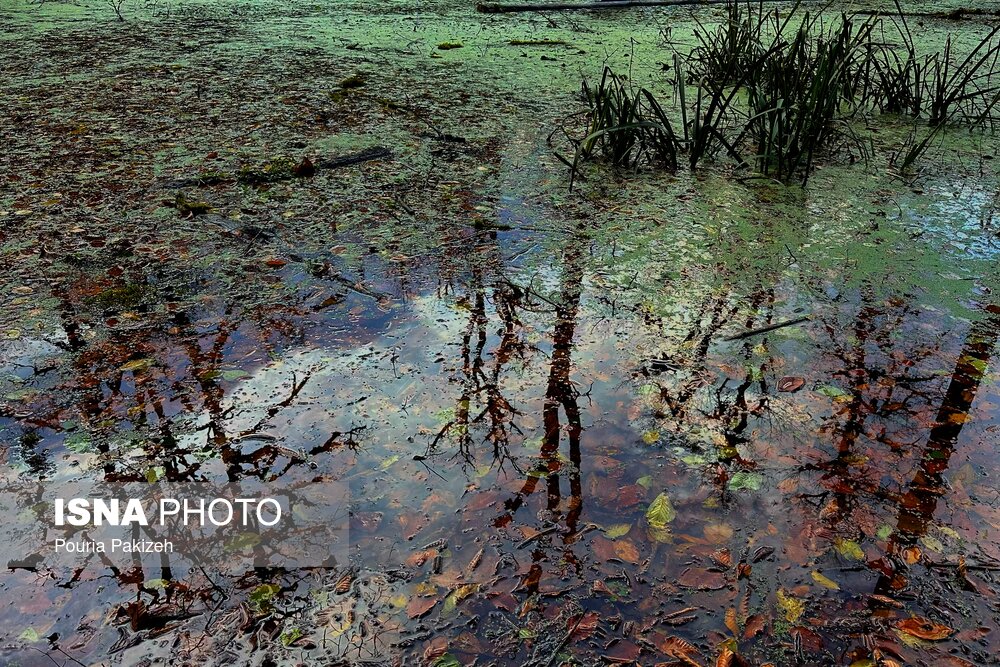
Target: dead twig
{"x": 771, "y": 327}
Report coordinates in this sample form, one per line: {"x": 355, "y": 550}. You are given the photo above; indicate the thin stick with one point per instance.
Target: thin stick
{"x": 498, "y": 8}
{"x": 770, "y": 327}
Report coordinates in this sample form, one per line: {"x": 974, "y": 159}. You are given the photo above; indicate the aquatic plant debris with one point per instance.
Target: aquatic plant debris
{"x": 696, "y": 410}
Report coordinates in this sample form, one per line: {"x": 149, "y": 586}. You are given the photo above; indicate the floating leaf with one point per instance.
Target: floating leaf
{"x": 290, "y": 636}
{"x": 932, "y": 543}
{"x": 793, "y": 607}
{"x": 419, "y": 607}
{"x": 137, "y": 365}
{"x": 457, "y": 595}
{"x": 262, "y": 595}
{"x": 744, "y": 479}
{"x": 825, "y": 582}
{"x": 156, "y": 584}
{"x": 661, "y": 511}
{"x": 650, "y": 437}
{"x": 390, "y": 460}
{"x": 235, "y": 374}
{"x": 849, "y": 549}
{"x": 645, "y": 481}
{"x": 29, "y": 635}
{"x": 627, "y": 551}
{"x": 583, "y": 626}
{"x": 924, "y": 628}
{"x": 447, "y": 660}
{"x": 618, "y": 530}
{"x": 790, "y": 383}
{"x": 836, "y": 393}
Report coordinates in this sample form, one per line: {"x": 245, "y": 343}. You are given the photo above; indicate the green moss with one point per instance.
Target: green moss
{"x": 276, "y": 169}
{"x": 118, "y": 299}
{"x": 187, "y": 207}
{"x": 212, "y": 177}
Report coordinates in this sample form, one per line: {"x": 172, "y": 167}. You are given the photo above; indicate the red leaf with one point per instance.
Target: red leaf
{"x": 583, "y": 627}
{"x": 790, "y": 383}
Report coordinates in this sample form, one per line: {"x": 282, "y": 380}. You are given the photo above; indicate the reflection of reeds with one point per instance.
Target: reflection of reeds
{"x": 776, "y": 96}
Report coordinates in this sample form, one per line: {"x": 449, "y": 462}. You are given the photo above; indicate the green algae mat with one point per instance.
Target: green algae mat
{"x": 683, "y": 417}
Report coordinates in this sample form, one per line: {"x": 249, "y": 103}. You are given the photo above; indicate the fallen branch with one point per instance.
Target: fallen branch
{"x": 771, "y": 327}
{"x": 338, "y": 162}
{"x": 498, "y": 8}
{"x": 354, "y": 158}
{"x": 960, "y": 14}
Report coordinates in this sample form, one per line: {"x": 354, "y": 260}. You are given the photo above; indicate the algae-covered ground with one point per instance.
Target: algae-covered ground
{"x": 566, "y": 436}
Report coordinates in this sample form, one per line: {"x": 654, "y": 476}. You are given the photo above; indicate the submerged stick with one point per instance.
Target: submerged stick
{"x": 499, "y": 8}
{"x": 771, "y": 327}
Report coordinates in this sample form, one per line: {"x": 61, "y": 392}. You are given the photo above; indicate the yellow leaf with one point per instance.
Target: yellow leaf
{"x": 849, "y": 549}
{"x": 793, "y": 608}
{"x": 618, "y": 530}
{"x": 825, "y": 582}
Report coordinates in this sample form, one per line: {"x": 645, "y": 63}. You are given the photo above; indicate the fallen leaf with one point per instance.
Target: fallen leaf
{"x": 923, "y": 628}
{"x": 849, "y": 549}
{"x": 731, "y": 622}
{"x": 583, "y": 626}
{"x": 793, "y": 608}
{"x": 627, "y": 551}
{"x": 419, "y": 607}
{"x": 825, "y": 582}
{"x": 659, "y": 515}
{"x": 618, "y": 530}
{"x": 790, "y": 383}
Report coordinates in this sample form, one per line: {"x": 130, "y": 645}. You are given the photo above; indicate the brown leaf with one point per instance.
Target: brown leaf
{"x": 582, "y": 627}
{"x": 305, "y": 168}
{"x": 624, "y": 652}
{"x": 790, "y": 383}
{"x": 419, "y": 607}
{"x": 343, "y": 584}
{"x": 731, "y": 622}
{"x": 627, "y": 551}
{"x": 754, "y": 625}
{"x": 924, "y": 628}
{"x": 420, "y": 557}
{"x": 729, "y": 659}
{"x": 722, "y": 558}
{"x": 676, "y": 647}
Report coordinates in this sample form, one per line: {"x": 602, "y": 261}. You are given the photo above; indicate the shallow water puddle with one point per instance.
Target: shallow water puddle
{"x": 657, "y": 421}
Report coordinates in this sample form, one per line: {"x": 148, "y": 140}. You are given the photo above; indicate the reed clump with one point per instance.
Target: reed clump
{"x": 777, "y": 92}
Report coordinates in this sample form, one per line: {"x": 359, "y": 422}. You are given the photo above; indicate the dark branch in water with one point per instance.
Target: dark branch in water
{"x": 771, "y": 327}
{"x": 498, "y": 8}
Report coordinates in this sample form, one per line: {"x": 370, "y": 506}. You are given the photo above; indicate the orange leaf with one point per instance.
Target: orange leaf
{"x": 627, "y": 551}
{"x": 731, "y": 621}
{"x": 923, "y": 628}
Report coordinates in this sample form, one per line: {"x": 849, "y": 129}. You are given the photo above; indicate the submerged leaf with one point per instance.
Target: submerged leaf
{"x": 849, "y": 549}
{"x": 661, "y": 512}
{"x": 618, "y": 530}
{"x": 825, "y": 582}
{"x": 790, "y": 383}
{"x": 743, "y": 479}
{"x": 793, "y": 607}
{"x": 924, "y": 628}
